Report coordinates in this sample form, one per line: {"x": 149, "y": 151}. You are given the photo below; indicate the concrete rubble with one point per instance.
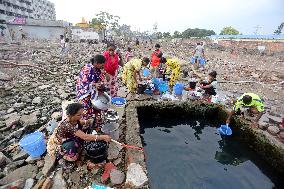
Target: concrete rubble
{"x": 31, "y": 98}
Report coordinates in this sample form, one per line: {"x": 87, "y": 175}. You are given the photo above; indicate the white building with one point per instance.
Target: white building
{"x": 35, "y": 9}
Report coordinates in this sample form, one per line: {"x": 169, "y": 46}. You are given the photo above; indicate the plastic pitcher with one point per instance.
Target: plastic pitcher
{"x": 178, "y": 88}
{"x": 112, "y": 130}
{"x": 163, "y": 87}
{"x": 192, "y": 60}
{"x": 146, "y": 72}
{"x": 202, "y": 61}
{"x": 33, "y": 144}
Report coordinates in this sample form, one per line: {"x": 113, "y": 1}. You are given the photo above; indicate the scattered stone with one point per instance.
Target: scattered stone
{"x": 135, "y": 175}
{"x": 113, "y": 151}
{"x": 19, "y": 105}
{"x": 116, "y": 177}
{"x": 58, "y": 181}
{"x": 13, "y": 120}
{"x": 274, "y": 119}
{"x": 273, "y": 130}
{"x": 3, "y": 159}
{"x": 263, "y": 125}
{"x": 26, "y": 99}
{"x": 32, "y": 160}
{"x": 56, "y": 115}
{"x": 10, "y": 110}
{"x": 18, "y": 184}
{"x": 75, "y": 177}
{"x": 29, "y": 183}
{"x": 56, "y": 100}
{"x": 117, "y": 161}
{"x": 281, "y": 134}
{"x": 12, "y": 166}
{"x": 30, "y": 119}
{"x": 39, "y": 184}
{"x": 21, "y": 155}
{"x": 37, "y": 100}
{"x": 49, "y": 163}
{"x": 22, "y": 173}
{"x": 64, "y": 95}
{"x": 44, "y": 87}
{"x": 39, "y": 175}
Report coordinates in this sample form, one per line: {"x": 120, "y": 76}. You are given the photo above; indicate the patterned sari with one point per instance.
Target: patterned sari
{"x": 63, "y": 143}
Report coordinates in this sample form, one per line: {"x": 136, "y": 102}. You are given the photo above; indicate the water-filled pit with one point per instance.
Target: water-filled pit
{"x": 184, "y": 151}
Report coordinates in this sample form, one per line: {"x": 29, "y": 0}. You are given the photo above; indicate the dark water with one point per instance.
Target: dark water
{"x": 191, "y": 155}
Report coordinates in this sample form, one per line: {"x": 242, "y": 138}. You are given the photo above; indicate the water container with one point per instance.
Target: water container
{"x": 33, "y": 144}
{"x": 155, "y": 81}
{"x": 192, "y": 84}
{"x": 112, "y": 130}
{"x": 96, "y": 150}
{"x": 146, "y": 72}
{"x": 202, "y": 61}
{"x": 96, "y": 186}
{"x": 225, "y": 130}
{"x": 192, "y": 60}
{"x": 148, "y": 91}
{"x": 178, "y": 88}
{"x": 163, "y": 87}
{"x": 118, "y": 101}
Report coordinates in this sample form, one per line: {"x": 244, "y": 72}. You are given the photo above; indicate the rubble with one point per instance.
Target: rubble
{"x": 135, "y": 175}
{"x": 274, "y": 130}
{"x": 49, "y": 163}
{"x": 25, "y": 172}
{"x": 116, "y": 177}
{"x": 31, "y": 97}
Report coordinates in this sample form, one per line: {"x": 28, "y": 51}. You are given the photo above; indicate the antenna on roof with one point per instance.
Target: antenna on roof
{"x": 257, "y": 28}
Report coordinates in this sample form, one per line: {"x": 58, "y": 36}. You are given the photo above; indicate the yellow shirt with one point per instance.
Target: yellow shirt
{"x": 256, "y": 101}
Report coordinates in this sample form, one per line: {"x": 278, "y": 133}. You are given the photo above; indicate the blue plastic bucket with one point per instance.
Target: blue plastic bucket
{"x": 155, "y": 81}
{"x": 146, "y": 72}
{"x": 202, "y": 61}
{"x": 33, "y": 144}
{"x": 163, "y": 87}
{"x": 225, "y": 130}
{"x": 148, "y": 91}
{"x": 192, "y": 60}
{"x": 178, "y": 88}
{"x": 118, "y": 101}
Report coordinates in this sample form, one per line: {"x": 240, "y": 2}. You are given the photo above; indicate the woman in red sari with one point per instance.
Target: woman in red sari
{"x": 156, "y": 59}
{"x": 111, "y": 69}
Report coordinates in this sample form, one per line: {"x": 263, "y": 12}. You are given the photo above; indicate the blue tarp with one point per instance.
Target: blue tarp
{"x": 247, "y": 36}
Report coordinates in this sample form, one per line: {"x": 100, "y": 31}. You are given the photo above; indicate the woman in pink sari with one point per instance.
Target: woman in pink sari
{"x": 111, "y": 69}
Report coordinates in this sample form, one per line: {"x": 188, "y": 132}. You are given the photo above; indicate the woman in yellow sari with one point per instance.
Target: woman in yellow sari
{"x": 130, "y": 72}
{"x": 172, "y": 69}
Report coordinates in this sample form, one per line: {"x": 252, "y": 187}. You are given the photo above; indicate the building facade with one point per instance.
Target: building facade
{"x": 34, "y": 9}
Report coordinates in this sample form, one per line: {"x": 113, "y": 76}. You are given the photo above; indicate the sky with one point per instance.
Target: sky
{"x": 247, "y": 16}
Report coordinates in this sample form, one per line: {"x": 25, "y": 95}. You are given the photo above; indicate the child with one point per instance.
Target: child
{"x": 210, "y": 85}
{"x": 172, "y": 69}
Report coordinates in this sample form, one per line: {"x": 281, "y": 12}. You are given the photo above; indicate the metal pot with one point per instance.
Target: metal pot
{"x": 96, "y": 150}
{"x": 101, "y": 102}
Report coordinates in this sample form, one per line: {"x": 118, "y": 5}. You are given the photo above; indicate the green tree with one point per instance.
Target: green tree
{"x": 104, "y": 21}
{"x": 229, "y": 31}
{"x": 166, "y": 35}
{"x": 279, "y": 29}
{"x": 159, "y": 35}
{"x": 197, "y": 33}
{"x": 177, "y": 34}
